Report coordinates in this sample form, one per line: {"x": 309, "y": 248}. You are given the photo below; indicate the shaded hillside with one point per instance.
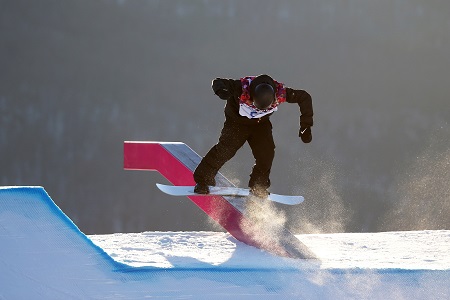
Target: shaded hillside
{"x": 79, "y": 78}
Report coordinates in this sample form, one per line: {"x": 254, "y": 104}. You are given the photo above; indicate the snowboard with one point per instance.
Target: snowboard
{"x": 226, "y": 191}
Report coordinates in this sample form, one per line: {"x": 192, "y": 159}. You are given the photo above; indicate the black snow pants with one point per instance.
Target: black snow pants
{"x": 232, "y": 138}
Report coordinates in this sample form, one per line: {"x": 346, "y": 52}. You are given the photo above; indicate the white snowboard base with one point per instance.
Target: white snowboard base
{"x": 226, "y": 191}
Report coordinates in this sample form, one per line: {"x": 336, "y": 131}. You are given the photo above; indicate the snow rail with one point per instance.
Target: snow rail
{"x": 177, "y": 162}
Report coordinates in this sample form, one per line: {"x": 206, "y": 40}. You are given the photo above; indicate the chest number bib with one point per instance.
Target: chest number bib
{"x": 254, "y": 113}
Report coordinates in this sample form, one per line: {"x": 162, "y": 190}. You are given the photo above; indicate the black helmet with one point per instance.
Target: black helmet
{"x": 264, "y": 96}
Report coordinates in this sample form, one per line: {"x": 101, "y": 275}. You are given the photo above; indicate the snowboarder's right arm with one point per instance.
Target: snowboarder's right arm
{"x": 226, "y": 88}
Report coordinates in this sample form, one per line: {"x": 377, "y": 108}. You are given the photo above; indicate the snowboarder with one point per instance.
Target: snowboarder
{"x": 249, "y": 103}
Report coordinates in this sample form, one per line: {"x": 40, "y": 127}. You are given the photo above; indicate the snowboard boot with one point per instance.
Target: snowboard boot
{"x": 201, "y": 188}
{"x": 259, "y": 192}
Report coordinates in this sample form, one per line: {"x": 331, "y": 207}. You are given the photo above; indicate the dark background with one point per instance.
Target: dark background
{"x": 77, "y": 78}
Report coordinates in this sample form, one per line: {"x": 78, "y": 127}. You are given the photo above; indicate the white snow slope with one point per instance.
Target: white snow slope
{"x": 43, "y": 255}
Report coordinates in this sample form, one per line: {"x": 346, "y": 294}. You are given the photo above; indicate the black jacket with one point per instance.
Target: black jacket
{"x": 234, "y": 87}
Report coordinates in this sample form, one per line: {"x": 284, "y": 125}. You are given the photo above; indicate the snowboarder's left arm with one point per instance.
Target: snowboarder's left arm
{"x": 304, "y": 101}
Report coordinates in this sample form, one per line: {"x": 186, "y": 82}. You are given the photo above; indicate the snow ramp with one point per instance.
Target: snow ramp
{"x": 43, "y": 255}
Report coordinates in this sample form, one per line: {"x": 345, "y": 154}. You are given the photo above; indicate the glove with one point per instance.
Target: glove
{"x": 305, "y": 134}
{"x": 223, "y": 94}
{"x": 220, "y": 89}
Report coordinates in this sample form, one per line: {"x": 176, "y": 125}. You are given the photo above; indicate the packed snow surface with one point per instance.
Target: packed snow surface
{"x": 412, "y": 250}
{"x": 43, "y": 255}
